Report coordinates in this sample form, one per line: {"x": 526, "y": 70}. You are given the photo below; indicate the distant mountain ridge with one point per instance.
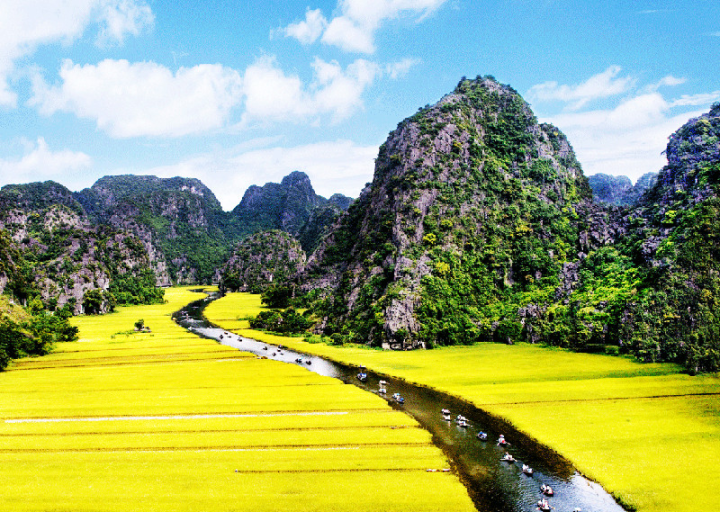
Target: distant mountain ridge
{"x": 619, "y": 190}
{"x": 176, "y": 226}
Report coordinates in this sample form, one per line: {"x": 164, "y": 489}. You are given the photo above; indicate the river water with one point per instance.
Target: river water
{"x": 493, "y": 485}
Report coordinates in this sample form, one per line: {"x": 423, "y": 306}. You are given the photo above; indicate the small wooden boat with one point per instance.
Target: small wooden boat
{"x": 445, "y": 412}
{"x": 502, "y": 441}
{"x": 546, "y": 490}
{"x": 527, "y": 470}
{"x": 382, "y": 383}
{"x": 463, "y": 424}
{"x": 482, "y": 436}
{"x": 398, "y": 398}
{"x": 508, "y": 458}
{"x": 543, "y": 505}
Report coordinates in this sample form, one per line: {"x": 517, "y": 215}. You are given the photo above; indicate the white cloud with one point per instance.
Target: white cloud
{"x": 333, "y": 167}
{"x": 602, "y": 85}
{"x": 25, "y": 25}
{"x": 668, "y": 80}
{"x": 696, "y": 99}
{"x": 120, "y": 17}
{"x": 143, "y": 99}
{"x": 354, "y": 29}
{"x": 309, "y": 30}
{"x": 41, "y": 163}
{"x": 400, "y": 68}
{"x": 628, "y": 139}
{"x": 271, "y": 95}
{"x": 146, "y": 99}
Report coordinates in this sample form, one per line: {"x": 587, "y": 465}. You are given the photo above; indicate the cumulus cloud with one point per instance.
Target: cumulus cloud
{"x": 29, "y": 24}
{"x": 310, "y": 29}
{"x": 272, "y": 95}
{"x": 354, "y": 29}
{"x": 628, "y": 138}
{"x": 146, "y": 99}
{"x": 142, "y": 99}
{"x": 602, "y": 85}
{"x": 41, "y": 163}
{"x": 400, "y": 68}
{"x": 333, "y": 166}
{"x": 121, "y": 17}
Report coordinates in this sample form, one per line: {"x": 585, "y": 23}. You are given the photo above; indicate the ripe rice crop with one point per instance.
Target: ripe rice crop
{"x": 166, "y": 421}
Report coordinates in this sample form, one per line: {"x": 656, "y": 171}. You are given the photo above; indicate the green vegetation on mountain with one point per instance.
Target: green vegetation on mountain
{"x": 479, "y": 226}
{"x": 291, "y": 206}
{"x": 179, "y": 218}
{"x": 619, "y": 190}
{"x": 261, "y": 260}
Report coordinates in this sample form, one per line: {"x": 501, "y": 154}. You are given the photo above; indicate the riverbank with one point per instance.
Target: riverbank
{"x": 648, "y": 433}
{"x": 167, "y": 421}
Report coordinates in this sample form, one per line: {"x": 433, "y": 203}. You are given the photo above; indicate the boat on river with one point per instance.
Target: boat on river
{"x": 543, "y": 505}
{"x": 398, "y": 398}
{"x": 508, "y": 458}
{"x": 527, "y": 470}
{"x": 362, "y": 376}
{"x": 546, "y": 490}
{"x": 482, "y": 436}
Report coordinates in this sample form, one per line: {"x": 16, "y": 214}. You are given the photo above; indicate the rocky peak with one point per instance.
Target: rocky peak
{"x": 461, "y": 184}
{"x": 693, "y": 153}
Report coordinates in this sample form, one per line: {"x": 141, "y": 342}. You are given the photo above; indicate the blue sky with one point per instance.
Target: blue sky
{"x": 237, "y": 92}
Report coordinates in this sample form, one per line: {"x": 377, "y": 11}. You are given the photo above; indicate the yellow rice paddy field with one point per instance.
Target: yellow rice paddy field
{"x": 166, "y": 421}
{"x": 647, "y": 432}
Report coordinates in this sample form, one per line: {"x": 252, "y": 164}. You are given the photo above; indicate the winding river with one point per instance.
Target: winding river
{"x": 493, "y": 485}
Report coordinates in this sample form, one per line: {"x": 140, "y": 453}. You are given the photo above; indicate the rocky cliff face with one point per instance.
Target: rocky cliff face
{"x": 261, "y": 260}
{"x": 619, "y": 190}
{"x": 675, "y": 242}
{"x": 68, "y": 254}
{"x": 291, "y": 206}
{"x": 479, "y": 225}
{"x": 471, "y": 197}
{"x": 179, "y": 221}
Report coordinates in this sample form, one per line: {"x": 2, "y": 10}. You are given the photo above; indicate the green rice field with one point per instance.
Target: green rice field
{"x": 647, "y": 432}
{"x": 167, "y": 421}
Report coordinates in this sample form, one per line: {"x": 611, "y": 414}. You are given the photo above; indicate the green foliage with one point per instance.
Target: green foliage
{"x": 262, "y": 260}
{"x": 131, "y": 290}
{"x": 288, "y": 321}
{"x": 277, "y": 297}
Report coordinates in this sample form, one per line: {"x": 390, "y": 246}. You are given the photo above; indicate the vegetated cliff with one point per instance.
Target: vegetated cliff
{"x": 675, "y": 241}
{"x": 179, "y": 220}
{"x": 262, "y": 260}
{"x": 619, "y": 190}
{"x": 480, "y": 226}
{"x": 65, "y": 258}
{"x": 473, "y": 206}
{"x": 291, "y": 206}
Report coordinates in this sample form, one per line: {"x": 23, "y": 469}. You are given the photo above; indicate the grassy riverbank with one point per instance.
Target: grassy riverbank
{"x": 166, "y": 421}
{"x": 648, "y": 433}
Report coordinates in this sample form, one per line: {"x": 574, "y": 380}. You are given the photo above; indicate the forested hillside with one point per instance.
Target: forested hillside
{"x": 479, "y": 225}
